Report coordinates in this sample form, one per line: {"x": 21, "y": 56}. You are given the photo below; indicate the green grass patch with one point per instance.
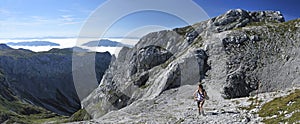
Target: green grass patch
{"x": 257, "y": 23}
{"x": 280, "y": 107}
{"x": 145, "y": 86}
{"x": 289, "y": 25}
{"x": 198, "y": 42}
{"x": 179, "y": 121}
{"x": 15, "y": 111}
{"x": 37, "y": 117}
{"x": 254, "y": 102}
{"x": 167, "y": 63}
{"x": 111, "y": 92}
{"x": 236, "y": 102}
{"x": 15, "y": 53}
{"x": 252, "y": 99}
{"x": 184, "y": 30}
{"x": 248, "y": 108}
{"x": 80, "y": 115}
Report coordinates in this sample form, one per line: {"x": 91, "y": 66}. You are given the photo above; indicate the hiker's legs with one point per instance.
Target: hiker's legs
{"x": 201, "y": 107}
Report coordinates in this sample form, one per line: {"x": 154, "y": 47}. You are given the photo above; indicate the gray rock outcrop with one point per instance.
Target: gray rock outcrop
{"x": 234, "y": 54}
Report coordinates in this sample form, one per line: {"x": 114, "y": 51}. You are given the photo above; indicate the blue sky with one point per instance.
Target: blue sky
{"x": 40, "y": 18}
{"x": 64, "y": 18}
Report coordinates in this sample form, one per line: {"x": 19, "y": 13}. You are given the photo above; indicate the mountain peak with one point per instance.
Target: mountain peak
{"x": 4, "y": 47}
{"x": 105, "y": 43}
{"x": 267, "y": 15}
{"x": 236, "y": 18}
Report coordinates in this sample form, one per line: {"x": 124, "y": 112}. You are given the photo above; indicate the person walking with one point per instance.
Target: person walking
{"x": 199, "y": 96}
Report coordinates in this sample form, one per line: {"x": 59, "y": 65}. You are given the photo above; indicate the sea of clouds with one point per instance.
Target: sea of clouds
{"x": 71, "y": 42}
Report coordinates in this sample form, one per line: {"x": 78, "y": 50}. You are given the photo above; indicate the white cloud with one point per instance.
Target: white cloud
{"x": 28, "y": 21}
{"x": 67, "y": 18}
{"x": 87, "y": 11}
{"x": 64, "y": 10}
{"x": 67, "y": 43}
{"x": 66, "y": 22}
{"x": 39, "y": 19}
{"x": 70, "y": 23}
{"x": 11, "y": 28}
{"x": 8, "y": 13}
{"x": 4, "y": 12}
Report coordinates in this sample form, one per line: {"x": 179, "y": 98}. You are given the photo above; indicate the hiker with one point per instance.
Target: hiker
{"x": 199, "y": 96}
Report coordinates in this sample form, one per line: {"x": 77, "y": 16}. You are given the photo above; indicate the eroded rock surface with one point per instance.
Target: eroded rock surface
{"x": 234, "y": 54}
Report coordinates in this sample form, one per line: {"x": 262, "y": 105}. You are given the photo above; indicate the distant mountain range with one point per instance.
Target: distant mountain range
{"x": 32, "y": 43}
{"x": 105, "y": 43}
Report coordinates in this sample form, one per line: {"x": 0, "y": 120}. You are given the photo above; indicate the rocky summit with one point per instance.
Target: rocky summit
{"x": 235, "y": 55}
{"x": 45, "y": 78}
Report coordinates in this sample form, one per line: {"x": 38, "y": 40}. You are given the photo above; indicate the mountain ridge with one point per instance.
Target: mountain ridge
{"x": 231, "y": 53}
{"x": 45, "y": 78}
{"x": 33, "y": 43}
{"x": 105, "y": 43}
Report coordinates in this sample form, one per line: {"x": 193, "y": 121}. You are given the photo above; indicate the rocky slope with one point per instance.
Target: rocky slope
{"x": 13, "y": 110}
{"x": 45, "y": 79}
{"x": 235, "y": 54}
{"x": 177, "y": 106}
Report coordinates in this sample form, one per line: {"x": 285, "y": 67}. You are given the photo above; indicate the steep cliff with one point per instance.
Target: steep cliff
{"x": 234, "y": 54}
{"x": 13, "y": 110}
{"x": 45, "y": 78}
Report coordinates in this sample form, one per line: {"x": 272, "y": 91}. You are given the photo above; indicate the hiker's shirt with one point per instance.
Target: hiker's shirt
{"x": 200, "y": 96}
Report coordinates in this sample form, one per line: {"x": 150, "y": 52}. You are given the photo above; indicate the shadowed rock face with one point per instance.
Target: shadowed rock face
{"x": 5, "y": 91}
{"x": 15, "y": 110}
{"x": 235, "y": 53}
{"x": 45, "y": 78}
{"x": 148, "y": 57}
{"x": 263, "y": 57}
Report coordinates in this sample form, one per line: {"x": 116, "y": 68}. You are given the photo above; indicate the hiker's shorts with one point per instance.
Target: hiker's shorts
{"x": 199, "y": 102}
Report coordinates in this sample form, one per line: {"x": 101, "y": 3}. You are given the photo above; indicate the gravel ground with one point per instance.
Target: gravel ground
{"x": 177, "y": 106}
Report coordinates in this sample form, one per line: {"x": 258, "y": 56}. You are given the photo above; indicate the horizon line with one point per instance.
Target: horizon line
{"x": 67, "y": 37}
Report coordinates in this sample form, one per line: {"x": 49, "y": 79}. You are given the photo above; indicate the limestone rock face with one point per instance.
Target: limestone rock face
{"x": 148, "y": 57}
{"x": 145, "y": 71}
{"x": 234, "y": 55}
{"x": 261, "y": 58}
{"x": 45, "y": 78}
{"x": 240, "y": 18}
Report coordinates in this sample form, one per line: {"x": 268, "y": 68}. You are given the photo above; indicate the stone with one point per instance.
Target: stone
{"x": 229, "y": 60}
